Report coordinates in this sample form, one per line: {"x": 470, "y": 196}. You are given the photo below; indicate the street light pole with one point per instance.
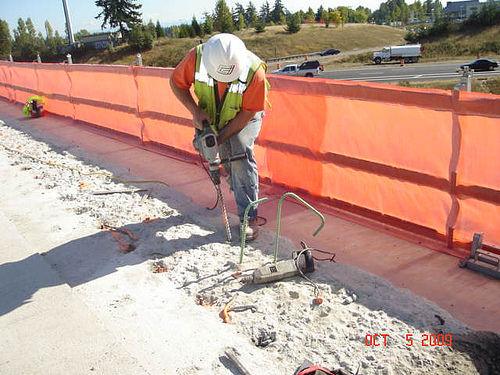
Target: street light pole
{"x": 69, "y": 28}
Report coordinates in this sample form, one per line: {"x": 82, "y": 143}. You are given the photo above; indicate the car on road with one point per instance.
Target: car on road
{"x": 306, "y": 69}
{"x": 329, "y": 51}
{"x": 481, "y": 64}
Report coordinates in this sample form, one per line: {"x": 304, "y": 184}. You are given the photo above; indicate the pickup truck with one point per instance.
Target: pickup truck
{"x": 306, "y": 69}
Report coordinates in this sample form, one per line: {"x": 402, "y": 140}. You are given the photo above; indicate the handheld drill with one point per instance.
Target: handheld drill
{"x": 209, "y": 150}
{"x": 206, "y": 144}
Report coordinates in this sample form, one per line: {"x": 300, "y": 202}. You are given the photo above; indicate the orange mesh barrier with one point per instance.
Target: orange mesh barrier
{"x": 426, "y": 159}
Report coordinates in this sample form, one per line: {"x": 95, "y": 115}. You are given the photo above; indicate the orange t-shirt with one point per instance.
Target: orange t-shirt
{"x": 254, "y": 97}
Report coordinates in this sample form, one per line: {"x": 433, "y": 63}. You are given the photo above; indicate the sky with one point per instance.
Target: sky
{"x": 83, "y": 12}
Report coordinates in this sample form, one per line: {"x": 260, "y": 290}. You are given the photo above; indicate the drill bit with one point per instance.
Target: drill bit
{"x": 224, "y": 213}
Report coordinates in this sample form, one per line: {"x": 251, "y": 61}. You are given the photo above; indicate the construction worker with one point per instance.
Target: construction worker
{"x": 230, "y": 88}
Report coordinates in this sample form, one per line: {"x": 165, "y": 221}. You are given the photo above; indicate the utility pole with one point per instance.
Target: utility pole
{"x": 69, "y": 28}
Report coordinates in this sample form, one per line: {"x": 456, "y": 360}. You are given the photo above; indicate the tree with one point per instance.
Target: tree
{"x": 293, "y": 23}
{"x": 251, "y": 17}
{"x": 438, "y": 9}
{"x": 362, "y": 14}
{"x": 22, "y": 49}
{"x": 319, "y": 13}
{"x": 336, "y": 18}
{"x": 140, "y": 38}
{"x": 310, "y": 17}
{"x": 196, "y": 27}
{"x": 160, "y": 31}
{"x": 123, "y": 14}
{"x": 151, "y": 29}
{"x": 260, "y": 26}
{"x": 241, "y": 22}
{"x": 344, "y": 12}
{"x": 278, "y": 12}
{"x": 488, "y": 16}
{"x": 50, "y": 42}
{"x": 326, "y": 17}
{"x": 238, "y": 11}
{"x": 223, "y": 19}
{"x": 208, "y": 25}
{"x": 186, "y": 31}
{"x": 265, "y": 13}
{"x": 5, "y": 40}
{"x": 417, "y": 10}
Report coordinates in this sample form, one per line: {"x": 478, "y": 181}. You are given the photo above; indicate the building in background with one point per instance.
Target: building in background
{"x": 101, "y": 41}
{"x": 460, "y": 10}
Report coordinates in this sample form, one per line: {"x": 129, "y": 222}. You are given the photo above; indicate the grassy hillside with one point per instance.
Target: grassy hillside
{"x": 274, "y": 42}
{"x": 483, "y": 41}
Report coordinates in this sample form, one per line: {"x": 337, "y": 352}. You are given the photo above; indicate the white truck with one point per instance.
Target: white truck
{"x": 306, "y": 69}
{"x": 409, "y": 53}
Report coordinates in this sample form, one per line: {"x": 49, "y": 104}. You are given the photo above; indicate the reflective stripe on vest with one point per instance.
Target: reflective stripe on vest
{"x": 205, "y": 86}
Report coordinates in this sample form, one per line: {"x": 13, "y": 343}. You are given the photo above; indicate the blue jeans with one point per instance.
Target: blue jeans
{"x": 243, "y": 174}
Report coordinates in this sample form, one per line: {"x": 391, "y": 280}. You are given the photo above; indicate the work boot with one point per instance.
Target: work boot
{"x": 252, "y": 230}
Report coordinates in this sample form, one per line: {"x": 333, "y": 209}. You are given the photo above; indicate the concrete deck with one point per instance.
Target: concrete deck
{"x": 467, "y": 295}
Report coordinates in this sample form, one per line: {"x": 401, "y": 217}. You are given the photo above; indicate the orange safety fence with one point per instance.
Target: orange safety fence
{"x": 425, "y": 159}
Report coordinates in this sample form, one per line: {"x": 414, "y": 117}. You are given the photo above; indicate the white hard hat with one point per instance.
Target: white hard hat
{"x": 224, "y": 57}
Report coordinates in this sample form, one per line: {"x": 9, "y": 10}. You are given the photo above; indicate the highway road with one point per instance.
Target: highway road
{"x": 393, "y": 72}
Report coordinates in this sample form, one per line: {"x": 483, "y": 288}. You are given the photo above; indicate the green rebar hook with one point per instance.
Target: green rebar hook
{"x": 278, "y": 220}
{"x": 243, "y": 232}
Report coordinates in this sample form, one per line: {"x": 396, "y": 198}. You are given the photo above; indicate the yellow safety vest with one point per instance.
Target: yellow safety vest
{"x": 221, "y": 111}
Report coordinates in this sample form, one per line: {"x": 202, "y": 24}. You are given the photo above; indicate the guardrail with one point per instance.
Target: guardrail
{"x": 291, "y": 57}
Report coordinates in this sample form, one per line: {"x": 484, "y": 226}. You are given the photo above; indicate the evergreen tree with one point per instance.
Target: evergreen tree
{"x": 428, "y": 5}
{"x": 140, "y": 38}
{"x": 223, "y": 19}
{"x": 208, "y": 25}
{"x": 5, "y": 40}
{"x": 438, "y": 9}
{"x": 251, "y": 15}
{"x": 319, "y": 14}
{"x": 265, "y": 13}
{"x": 186, "y": 31}
{"x": 123, "y": 14}
{"x": 293, "y": 23}
{"x": 260, "y": 26}
{"x": 241, "y": 22}
{"x": 160, "y": 31}
{"x": 151, "y": 29}
{"x": 237, "y": 11}
{"x": 278, "y": 12}
{"x": 196, "y": 27}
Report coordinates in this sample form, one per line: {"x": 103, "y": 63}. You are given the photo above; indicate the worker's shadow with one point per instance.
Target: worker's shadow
{"x": 95, "y": 256}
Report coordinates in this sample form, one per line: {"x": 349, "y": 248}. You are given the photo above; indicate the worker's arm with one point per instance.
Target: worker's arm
{"x": 185, "y": 97}
{"x": 235, "y": 125}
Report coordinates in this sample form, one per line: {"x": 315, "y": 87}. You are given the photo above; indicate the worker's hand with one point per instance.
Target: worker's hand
{"x": 198, "y": 117}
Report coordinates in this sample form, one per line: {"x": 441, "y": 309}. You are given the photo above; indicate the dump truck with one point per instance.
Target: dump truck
{"x": 409, "y": 53}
